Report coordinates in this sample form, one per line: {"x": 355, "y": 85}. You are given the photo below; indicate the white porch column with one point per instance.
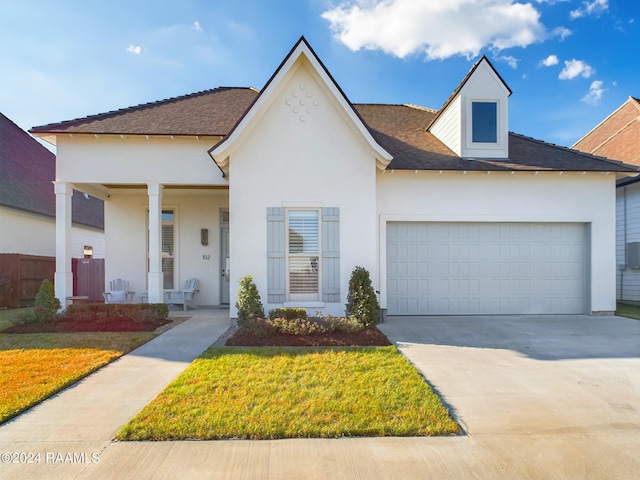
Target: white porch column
{"x": 63, "y": 278}
{"x": 155, "y": 243}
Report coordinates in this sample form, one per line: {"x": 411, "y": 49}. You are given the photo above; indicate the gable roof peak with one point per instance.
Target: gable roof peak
{"x": 464, "y": 81}
{"x": 220, "y": 152}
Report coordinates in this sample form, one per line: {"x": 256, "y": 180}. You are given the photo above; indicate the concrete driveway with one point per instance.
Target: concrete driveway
{"x": 538, "y": 396}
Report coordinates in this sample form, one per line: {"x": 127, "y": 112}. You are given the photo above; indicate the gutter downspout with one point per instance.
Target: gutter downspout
{"x": 624, "y": 267}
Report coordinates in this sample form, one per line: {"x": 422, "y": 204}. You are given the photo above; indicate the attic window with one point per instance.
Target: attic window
{"x": 484, "y": 117}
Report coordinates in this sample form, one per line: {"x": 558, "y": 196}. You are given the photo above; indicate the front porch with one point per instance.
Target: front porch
{"x": 157, "y": 237}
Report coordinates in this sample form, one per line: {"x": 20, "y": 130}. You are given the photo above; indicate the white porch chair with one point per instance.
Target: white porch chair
{"x": 185, "y": 296}
{"x": 118, "y": 292}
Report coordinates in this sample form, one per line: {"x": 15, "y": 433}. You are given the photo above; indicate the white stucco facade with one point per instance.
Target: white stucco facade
{"x": 504, "y": 197}
{"x": 302, "y": 146}
{"x": 191, "y": 185}
{"x": 324, "y": 162}
{"x": 126, "y": 227}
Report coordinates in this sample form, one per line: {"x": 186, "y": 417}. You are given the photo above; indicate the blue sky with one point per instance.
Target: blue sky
{"x": 569, "y": 63}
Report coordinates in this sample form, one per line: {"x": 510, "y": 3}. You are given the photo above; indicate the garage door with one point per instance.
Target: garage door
{"x": 486, "y": 268}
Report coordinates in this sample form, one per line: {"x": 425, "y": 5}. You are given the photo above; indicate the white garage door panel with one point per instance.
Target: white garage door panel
{"x": 485, "y": 268}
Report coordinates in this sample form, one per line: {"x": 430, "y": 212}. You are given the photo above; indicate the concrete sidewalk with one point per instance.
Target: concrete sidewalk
{"x": 85, "y": 417}
{"x": 545, "y": 397}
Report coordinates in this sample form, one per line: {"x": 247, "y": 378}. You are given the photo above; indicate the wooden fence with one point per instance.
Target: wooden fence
{"x": 21, "y": 276}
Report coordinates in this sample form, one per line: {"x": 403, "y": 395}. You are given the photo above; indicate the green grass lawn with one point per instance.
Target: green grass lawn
{"x": 35, "y": 366}
{"x": 279, "y": 392}
{"x": 629, "y": 311}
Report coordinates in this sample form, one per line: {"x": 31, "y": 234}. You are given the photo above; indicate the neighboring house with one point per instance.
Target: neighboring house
{"x": 449, "y": 212}
{"x": 27, "y": 201}
{"x": 618, "y": 137}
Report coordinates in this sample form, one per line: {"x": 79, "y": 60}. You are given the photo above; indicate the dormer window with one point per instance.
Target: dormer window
{"x": 484, "y": 118}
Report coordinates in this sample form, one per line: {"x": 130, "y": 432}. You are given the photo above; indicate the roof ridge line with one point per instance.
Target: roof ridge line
{"x": 419, "y": 107}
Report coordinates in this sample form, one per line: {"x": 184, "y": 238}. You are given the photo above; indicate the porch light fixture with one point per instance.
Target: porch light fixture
{"x": 204, "y": 236}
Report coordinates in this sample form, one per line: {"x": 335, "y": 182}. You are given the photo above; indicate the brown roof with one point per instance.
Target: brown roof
{"x": 399, "y": 129}
{"x": 211, "y": 112}
{"x": 28, "y": 170}
{"x": 617, "y": 136}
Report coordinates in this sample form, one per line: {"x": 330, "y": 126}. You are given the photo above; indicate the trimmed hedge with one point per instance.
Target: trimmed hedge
{"x": 134, "y": 310}
{"x": 290, "y": 313}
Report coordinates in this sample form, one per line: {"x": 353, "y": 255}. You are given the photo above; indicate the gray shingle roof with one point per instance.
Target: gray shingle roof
{"x": 27, "y": 172}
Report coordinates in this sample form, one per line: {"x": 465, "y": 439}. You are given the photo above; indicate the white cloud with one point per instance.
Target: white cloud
{"x": 550, "y": 61}
{"x": 134, "y": 49}
{"x": 561, "y": 32}
{"x": 593, "y": 7}
{"x": 509, "y": 60}
{"x": 573, "y": 68}
{"x": 439, "y": 29}
{"x": 594, "y": 95}
{"x": 197, "y": 27}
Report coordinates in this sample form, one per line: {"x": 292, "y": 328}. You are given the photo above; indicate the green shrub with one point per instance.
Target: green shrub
{"x": 262, "y": 327}
{"x": 248, "y": 304}
{"x": 346, "y": 324}
{"x": 258, "y": 326}
{"x": 161, "y": 309}
{"x": 362, "y": 303}
{"x": 46, "y": 304}
{"x": 289, "y": 313}
{"x": 132, "y": 311}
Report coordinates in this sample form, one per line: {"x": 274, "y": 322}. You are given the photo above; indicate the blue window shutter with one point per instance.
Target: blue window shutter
{"x": 276, "y": 271}
{"x": 331, "y": 255}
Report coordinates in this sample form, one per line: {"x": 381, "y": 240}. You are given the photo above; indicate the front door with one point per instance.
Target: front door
{"x": 224, "y": 265}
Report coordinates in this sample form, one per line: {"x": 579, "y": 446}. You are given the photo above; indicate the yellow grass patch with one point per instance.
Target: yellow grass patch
{"x": 35, "y": 366}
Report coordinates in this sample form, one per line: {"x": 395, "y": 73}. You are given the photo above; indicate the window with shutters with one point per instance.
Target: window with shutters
{"x": 303, "y": 255}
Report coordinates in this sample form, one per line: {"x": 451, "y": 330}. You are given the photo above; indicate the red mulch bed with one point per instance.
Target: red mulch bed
{"x": 364, "y": 338}
{"x": 89, "y": 324}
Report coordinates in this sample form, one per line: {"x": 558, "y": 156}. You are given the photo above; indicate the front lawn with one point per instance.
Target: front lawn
{"x": 279, "y": 392}
{"x": 35, "y": 366}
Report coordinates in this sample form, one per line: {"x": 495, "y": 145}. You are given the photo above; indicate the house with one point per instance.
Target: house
{"x": 27, "y": 201}
{"x": 294, "y": 184}
{"x": 618, "y": 137}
